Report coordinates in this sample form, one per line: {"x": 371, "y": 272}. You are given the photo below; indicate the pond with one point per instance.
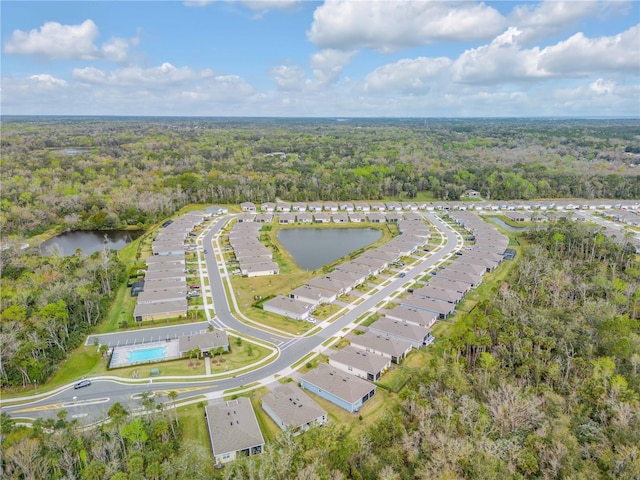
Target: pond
{"x": 88, "y": 241}
{"x": 72, "y": 151}
{"x": 313, "y": 248}
{"x": 506, "y": 226}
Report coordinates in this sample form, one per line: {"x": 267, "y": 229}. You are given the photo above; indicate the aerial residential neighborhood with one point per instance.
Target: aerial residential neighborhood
{"x": 337, "y": 297}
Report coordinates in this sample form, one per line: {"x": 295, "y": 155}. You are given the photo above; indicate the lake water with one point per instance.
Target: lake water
{"x": 88, "y": 241}
{"x": 313, "y": 248}
{"x": 72, "y": 151}
{"x": 506, "y": 226}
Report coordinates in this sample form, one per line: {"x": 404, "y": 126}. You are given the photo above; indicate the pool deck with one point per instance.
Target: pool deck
{"x": 121, "y": 354}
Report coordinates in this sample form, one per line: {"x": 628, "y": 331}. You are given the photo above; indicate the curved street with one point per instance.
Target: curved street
{"x": 92, "y": 403}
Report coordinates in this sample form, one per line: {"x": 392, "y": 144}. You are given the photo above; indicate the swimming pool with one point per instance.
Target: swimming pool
{"x": 147, "y": 354}
{"x": 125, "y": 355}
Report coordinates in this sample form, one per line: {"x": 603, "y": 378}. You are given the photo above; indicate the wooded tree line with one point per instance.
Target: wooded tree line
{"x": 137, "y": 171}
{"x": 144, "y": 447}
{"x": 49, "y": 305}
{"x": 540, "y": 381}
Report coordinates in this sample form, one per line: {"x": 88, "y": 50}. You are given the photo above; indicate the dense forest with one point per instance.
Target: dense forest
{"x": 49, "y": 305}
{"x": 147, "y": 446}
{"x": 541, "y": 380}
{"x": 137, "y": 171}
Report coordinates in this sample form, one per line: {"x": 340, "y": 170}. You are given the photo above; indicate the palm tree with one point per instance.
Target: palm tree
{"x": 172, "y": 396}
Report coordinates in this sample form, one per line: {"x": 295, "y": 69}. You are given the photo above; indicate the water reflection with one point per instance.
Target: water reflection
{"x": 88, "y": 241}
{"x": 313, "y": 248}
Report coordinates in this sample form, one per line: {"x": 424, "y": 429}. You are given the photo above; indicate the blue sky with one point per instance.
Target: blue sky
{"x": 346, "y": 58}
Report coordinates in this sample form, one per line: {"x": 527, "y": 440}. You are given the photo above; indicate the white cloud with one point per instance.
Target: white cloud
{"x": 602, "y": 87}
{"x": 231, "y": 95}
{"x": 406, "y": 75}
{"x": 504, "y": 61}
{"x": 550, "y": 17}
{"x": 44, "y": 80}
{"x": 208, "y": 95}
{"x": 116, "y": 50}
{"x": 500, "y": 61}
{"x": 166, "y": 74}
{"x": 35, "y": 94}
{"x": 256, "y": 5}
{"x": 198, "y": 3}
{"x": 579, "y": 55}
{"x": 222, "y": 89}
{"x": 288, "y": 78}
{"x": 602, "y": 97}
{"x": 54, "y": 41}
{"x": 387, "y": 26}
{"x": 327, "y": 65}
{"x": 263, "y": 5}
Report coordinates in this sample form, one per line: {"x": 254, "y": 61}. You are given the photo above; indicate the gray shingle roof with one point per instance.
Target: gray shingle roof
{"x": 366, "y": 361}
{"x": 233, "y": 426}
{"x": 380, "y": 343}
{"x": 340, "y": 384}
{"x": 292, "y": 405}
{"x": 203, "y": 341}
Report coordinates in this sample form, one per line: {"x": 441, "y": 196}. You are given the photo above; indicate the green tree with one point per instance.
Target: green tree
{"x": 135, "y": 433}
{"x": 94, "y": 471}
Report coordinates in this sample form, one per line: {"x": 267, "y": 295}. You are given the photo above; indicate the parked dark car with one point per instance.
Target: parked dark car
{"x": 82, "y": 383}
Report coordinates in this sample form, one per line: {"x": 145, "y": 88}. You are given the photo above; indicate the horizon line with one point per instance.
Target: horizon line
{"x": 331, "y": 117}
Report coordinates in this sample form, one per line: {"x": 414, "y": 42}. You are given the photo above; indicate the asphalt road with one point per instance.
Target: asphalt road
{"x": 92, "y": 403}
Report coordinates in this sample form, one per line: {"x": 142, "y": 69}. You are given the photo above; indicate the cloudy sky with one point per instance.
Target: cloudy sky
{"x": 345, "y": 58}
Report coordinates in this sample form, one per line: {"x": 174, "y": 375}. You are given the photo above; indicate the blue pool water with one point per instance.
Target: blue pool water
{"x": 147, "y": 354}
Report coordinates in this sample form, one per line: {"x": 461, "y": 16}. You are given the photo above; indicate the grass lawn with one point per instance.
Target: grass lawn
{"x": 369, "y": 321}
{"x": 240, "y": 356}
{"x": 348, "y": 298}
{"x": 86, "y": 361}
{"x": 296, "y": 327}
{"x": 232, "y": 393}
{"x": 326, "y": 311}
{"x": 121, "y": 310}
{"x": 306, "y": 358}
{"x": 172, "y": 367}
{"x": 194, "y": 426}
{"x": 309, "y": 365}
{"x": 343, "y": 342}
{"x": 371, "y": 411}
{"x": 82, "y": 361}
{"x": 393, "y": 380}
{"x": 270, "y": 430}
